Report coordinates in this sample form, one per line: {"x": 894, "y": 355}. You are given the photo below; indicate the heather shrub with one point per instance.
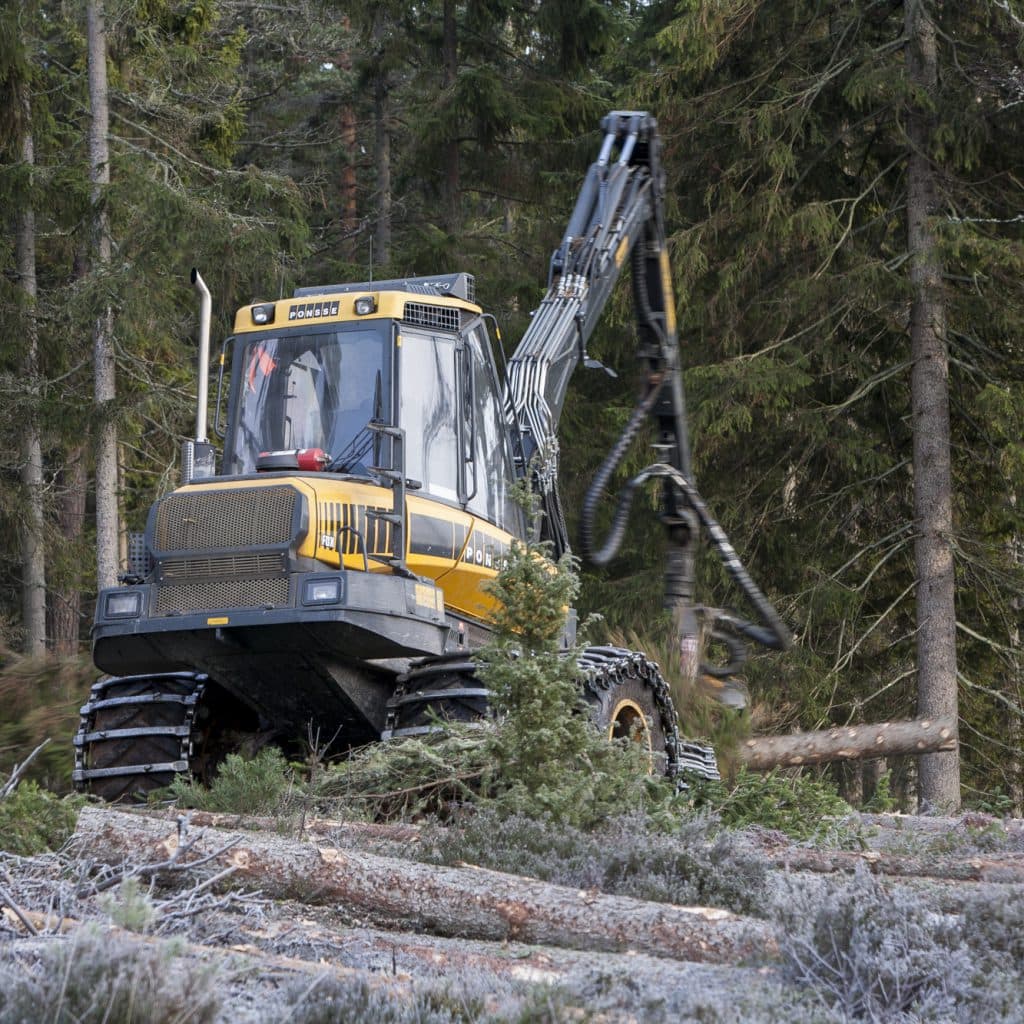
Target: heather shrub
{"x": 33, "y": 820}
{"x": 97, "y": 978}
{"x": 877, "y": 954}
{"x": 993, "y": 927}
{"x": 259, "y": 785}
{"x": 480, "y": 999}
{"x": 695, "y": 863}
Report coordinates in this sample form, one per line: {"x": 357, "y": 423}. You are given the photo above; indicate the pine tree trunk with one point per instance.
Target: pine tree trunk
{"x": 347, "y": 134}
{"x": 104, "y": 391}
{"x": 933, "y": 501}
{"x": 382, "y": 153}
{"x": 849, "y": 743}
{"x": 1014, "y": 725}
{"x": 66, "y": 601}
{"x": 349, "y": 208}
{"x": 33, "y": 548}
{"x": 450, "y": 71}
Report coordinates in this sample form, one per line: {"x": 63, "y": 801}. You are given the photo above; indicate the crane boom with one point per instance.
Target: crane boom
{"x": 619, "y": 218}
{"x": 619, "y": 211}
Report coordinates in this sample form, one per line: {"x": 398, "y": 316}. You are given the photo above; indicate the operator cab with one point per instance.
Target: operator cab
{"x": 368, "y": 380}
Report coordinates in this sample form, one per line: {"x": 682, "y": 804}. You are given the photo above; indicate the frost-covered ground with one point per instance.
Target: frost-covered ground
{"x": 894, "y": 931}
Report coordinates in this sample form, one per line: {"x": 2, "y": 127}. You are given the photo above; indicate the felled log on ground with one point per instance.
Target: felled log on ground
{"x": 1007, "y": 869}
{"x": 465, "y": 901}
{"x": 849, "y": 742}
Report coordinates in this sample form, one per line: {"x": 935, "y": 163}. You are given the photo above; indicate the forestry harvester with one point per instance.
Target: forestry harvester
{"x": 323, "y": 577}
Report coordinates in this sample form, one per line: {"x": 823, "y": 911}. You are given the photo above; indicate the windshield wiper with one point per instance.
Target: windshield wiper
{"x": 352, "y": 456}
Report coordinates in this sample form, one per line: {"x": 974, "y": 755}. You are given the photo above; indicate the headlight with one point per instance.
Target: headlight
{"x": 364, "y": 305}
{"x": 325, "y": 591}
{"x": 263, "y": 314}
{"x": 126, "y": 604}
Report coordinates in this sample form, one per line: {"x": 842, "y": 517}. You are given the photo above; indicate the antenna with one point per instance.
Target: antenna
{"x": 371, "y": 259}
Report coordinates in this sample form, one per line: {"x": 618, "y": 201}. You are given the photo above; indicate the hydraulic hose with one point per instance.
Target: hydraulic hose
{"x": 604, "y": 554}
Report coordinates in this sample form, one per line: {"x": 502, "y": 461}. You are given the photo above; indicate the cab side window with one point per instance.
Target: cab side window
{"x": 429, "y": 412}
{"x": 491, "y": 455}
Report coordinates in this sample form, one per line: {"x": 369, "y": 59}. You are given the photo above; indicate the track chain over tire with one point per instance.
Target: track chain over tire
{"x": 618, "y": 686}
{"x": 136, "y": 734}
{"x": 445, "y": 687}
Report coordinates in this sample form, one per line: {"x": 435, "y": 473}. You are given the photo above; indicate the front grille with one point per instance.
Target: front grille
{"x": 423, "y": 314}
{"x": 236, "y": 517}
{"x": 215, "y": 595}
{"x": 223, "y": 565}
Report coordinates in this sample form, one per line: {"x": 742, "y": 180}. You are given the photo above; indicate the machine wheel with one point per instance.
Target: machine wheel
{"x": 626, "y": 711}
{"x": 136, "y": 734}
{"x": 444, "y": 688}
{"x": 629, "y": 700}
{"x": 625, "y": 691}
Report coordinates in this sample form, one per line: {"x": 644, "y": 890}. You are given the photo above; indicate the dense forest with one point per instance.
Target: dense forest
{"x": 846, "y": 215}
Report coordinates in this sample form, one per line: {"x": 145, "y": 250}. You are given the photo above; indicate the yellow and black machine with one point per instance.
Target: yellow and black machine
{"x": 324, "y": 579}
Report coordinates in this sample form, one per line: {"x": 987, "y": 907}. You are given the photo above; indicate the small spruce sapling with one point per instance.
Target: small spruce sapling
{"x": 549, "y": 758}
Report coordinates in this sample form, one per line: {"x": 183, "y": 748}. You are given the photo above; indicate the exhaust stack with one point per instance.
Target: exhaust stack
{"x": 198, "y": 459}
{"x": 205, "y": 307}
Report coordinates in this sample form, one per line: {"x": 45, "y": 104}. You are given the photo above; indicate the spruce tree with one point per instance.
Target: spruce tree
{"x": 787, "y": 139}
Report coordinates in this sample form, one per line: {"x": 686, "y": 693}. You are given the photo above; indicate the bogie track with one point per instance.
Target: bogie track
{"x": 136, "y": 734}
{"x": 625, "y": 692}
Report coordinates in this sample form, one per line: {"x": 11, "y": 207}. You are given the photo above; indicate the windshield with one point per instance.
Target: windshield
{"x": 310, "y": 391}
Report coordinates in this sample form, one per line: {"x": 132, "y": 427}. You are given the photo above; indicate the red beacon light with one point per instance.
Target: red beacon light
{"x": 312, "y": 460}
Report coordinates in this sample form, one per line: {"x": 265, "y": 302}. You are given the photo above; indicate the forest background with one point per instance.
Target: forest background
{"x": 280, "y": 144}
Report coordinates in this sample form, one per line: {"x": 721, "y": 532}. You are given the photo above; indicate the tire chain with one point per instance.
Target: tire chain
{"x": 600, "y": 668}
{"x": 99, "y": 698}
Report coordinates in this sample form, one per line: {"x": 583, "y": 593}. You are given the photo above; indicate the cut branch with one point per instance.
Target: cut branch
{"x": 849, "y": 743}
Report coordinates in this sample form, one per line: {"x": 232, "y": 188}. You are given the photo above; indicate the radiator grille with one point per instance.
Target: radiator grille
{"x": 215, "y": 595}
{"x": 423, "y": 314}
{"x": 223, "y": 565}
{"x": 227, "y": 518}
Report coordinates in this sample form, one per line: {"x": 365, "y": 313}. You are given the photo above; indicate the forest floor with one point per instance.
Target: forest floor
{"x": 339, "y": 922}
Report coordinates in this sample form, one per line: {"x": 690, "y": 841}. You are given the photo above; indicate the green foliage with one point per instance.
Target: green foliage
{"x": 882, "y": 800}
{"x": 33, "y": 820}
{"x": 693, "y": 863}
{"x": 407, "y": 779}
{"x": 549, "y": 759}
{"x": 131, "y": 907}
{"x": 261, "y": 785}
{"x": 41, "y": 700}
{"x": 541, "y": 755}
{"x": 98, "y": 978}
{"x": 802, "y": 806}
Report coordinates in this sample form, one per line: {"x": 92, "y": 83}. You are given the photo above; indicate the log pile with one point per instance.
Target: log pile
{"x": 448, "y": 901}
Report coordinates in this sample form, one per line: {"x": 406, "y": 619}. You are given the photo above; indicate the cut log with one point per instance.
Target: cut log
{"x": 1006, "y": 870}
{"x": 466, "y": 901}
{"x": 339, "y": 832}
{"x": 849, "y": 742}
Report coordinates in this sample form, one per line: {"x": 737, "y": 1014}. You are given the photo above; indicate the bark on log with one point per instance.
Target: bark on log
{"x": 1006, "y": 870}
{"x": 339, "y": 832}
{"x": 884, "y": 739}
{"x": 468, "y": 902}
